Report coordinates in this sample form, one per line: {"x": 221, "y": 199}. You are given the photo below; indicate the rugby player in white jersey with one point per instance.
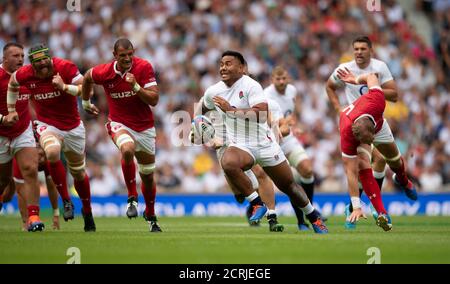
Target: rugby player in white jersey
{"x": 242, "y": 101}
{"x": 284, "y": 95}
{"x": 258, "y": 178}
{"x": 385, "y": 150}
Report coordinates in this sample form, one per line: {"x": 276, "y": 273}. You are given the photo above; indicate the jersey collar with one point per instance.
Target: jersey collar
{"x": 120, "y": 73}
{"x": 1, "y": 67}
{"x": 369, "y": 116}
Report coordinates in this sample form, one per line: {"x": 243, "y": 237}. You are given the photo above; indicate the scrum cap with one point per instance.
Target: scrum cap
{"x": 38, "y": 52}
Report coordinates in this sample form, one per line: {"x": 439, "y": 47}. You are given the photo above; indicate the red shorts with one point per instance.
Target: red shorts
{"x": 348, "y": 141}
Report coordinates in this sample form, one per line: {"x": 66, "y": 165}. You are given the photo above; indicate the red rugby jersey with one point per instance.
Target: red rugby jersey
{"x": 21, "y": 107}
{"x": 54, "y": 107}
{"x": 125, "y": 106}
{"x": 370, "y": 105}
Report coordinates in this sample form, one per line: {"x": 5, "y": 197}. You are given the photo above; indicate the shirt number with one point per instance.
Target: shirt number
{"x": 348, "y": 109}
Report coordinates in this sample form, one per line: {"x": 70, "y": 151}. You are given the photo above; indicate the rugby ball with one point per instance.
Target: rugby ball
{"x": 202, "y": 130}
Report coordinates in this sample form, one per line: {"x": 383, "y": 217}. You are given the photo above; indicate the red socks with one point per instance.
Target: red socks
{"x": 149, "y": 197}
{"x": 129, "y": 174}
{"x": 58, "y": 173}
{"x": 372, "y": 190}
{"x": 84, "y": 192}
{"x": 33, "y": 210}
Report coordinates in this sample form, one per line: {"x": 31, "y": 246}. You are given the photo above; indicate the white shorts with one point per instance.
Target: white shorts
{"x": 384, "y": 136}
{"x": 266, "y": 156}
{"x": 219, "y": 153}
{"x": 291, "y": 146}
{"x": 144, "y": 141}
{"x": 9, "y": 147}
{"x": 74, "y": 140}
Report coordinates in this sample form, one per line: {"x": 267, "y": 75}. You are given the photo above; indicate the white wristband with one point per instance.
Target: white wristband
{"x": 136, "y": 87}
{"x": 356, "y": 202}
{"x": 86, "y": 104}
{"x": 73, "y": 90}
{"x": 56, "y": 212}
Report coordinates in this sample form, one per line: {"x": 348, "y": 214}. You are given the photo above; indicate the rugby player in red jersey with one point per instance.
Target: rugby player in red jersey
{"x": 359, "y": 122}
{"x": 131, "y": 89}
{"x": 16, "y": 137}
{"x": 384, "y": 150}
{"x": 54, "y": 84}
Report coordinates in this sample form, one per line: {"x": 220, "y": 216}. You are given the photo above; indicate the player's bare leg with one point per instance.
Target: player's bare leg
{"x": 281, "y": 175}
{"x": 125, "y": 142}
{"x": 27, "y": 160}
{"x": 267, "y": 193}
{"x": 146, "y": 163}
{"x": 5, "y": 176}
{"x": 76, "y": 164}
{"x": 240, "y": 198}
{"x": 53, "y": 196}
{"x": 8, "y": 193}
{"x": 265, "y": 189}
{"x": 378, "y": 166}
{"x": 306, "y": 179}
{"x": 22, "y": 205}
{"x": 51, "y": 144}
{"x": 234, "y": 162}
{"x": 51, "y": 188}
{"x": 397, "y": 164}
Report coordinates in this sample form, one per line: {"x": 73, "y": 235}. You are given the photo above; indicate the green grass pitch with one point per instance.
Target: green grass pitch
{"x": 229, "y": 240}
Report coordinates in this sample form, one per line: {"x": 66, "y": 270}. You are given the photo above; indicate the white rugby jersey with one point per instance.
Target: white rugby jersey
{"x": 286, "y": 101}
{"x": 275, "y": 110}
{"x": 353, "y": 92}
{"x": 244, "y": 93}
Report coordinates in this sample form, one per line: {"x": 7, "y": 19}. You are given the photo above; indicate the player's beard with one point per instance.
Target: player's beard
{"x": 281, "y": 88}
{"x": 45, "y": 71}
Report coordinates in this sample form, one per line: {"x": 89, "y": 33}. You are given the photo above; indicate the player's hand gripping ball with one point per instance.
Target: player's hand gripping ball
{"x": 202, "y": 130}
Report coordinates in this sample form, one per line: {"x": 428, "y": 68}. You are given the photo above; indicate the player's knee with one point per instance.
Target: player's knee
{"x": 52, "y": 148}
{"x": 363, "y": 164}
{"x": 53, "y": 155}
{"x": 305, "y": 169}
{"x": 378, "y": 160}
{"x": 297, "y": 158}
{"x": 127, "y": 151}
{"x": 147, "y": 170}
{"x": 29, "y": 170}
{"x": 230, "y": 166}
{"x": 126, "y": 145}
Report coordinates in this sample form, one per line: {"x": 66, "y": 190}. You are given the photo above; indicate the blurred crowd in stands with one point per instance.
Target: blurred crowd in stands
{"x": 184, "y": 40}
